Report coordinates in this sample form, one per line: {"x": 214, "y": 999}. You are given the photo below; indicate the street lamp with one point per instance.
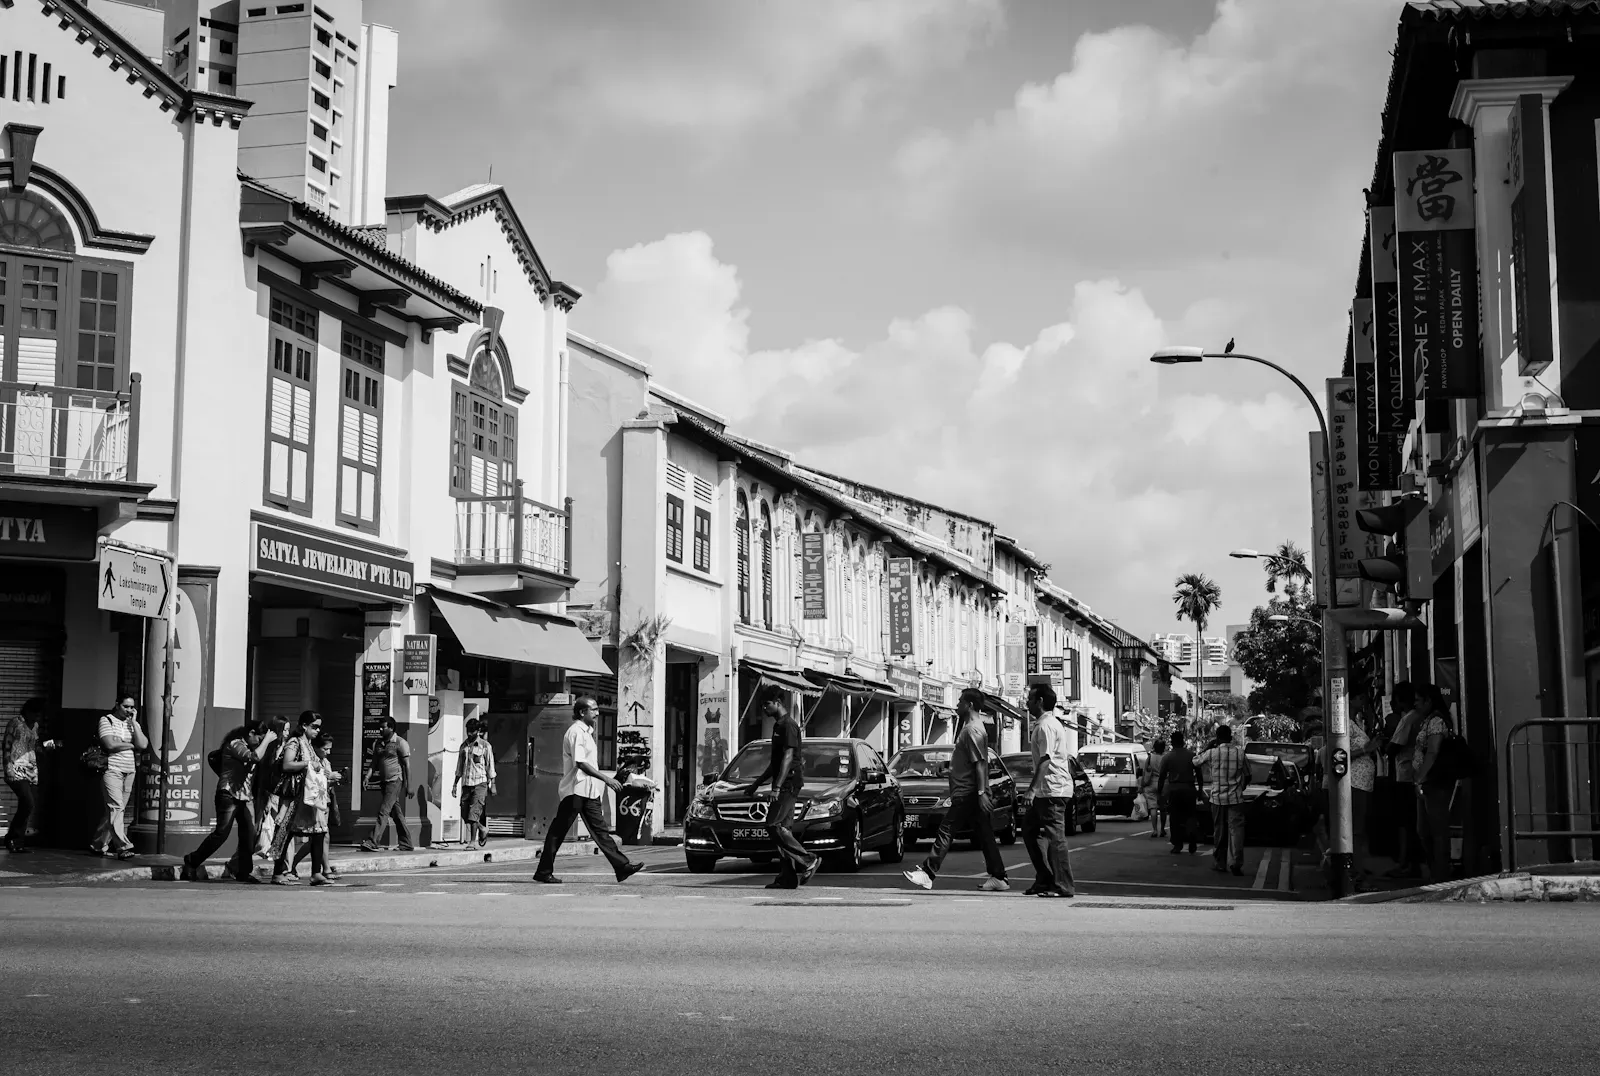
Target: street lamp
{"x": 1284, "y": 618}
{"x": 1334, "y": 661}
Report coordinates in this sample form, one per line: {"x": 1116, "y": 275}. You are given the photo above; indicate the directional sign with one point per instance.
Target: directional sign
{"x": 132, "y": 581}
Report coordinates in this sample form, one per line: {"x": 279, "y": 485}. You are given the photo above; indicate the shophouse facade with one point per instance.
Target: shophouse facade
{"x": 1498, "y": 105}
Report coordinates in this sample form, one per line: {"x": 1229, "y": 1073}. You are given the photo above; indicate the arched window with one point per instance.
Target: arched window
{"x": 63, "y": 317}
{"x": 483, "y": 459}
{"x": 766, "y": 566}
{"x": 742, "y": 528}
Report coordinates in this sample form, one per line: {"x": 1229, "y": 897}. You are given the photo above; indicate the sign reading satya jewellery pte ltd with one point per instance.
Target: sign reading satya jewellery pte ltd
{"x": 417, "y": 663}
{"x": 813, "y": 569}
{"x": 1438, "y": 269}
{"x": 900, "y": 606}
{"x": 327, "y": 562}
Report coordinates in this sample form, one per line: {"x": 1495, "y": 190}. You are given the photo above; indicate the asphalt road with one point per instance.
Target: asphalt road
{"x": 659, "y": 978}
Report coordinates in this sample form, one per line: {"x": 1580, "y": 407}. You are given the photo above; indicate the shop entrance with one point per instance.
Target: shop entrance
{"x": 683, "y": 697}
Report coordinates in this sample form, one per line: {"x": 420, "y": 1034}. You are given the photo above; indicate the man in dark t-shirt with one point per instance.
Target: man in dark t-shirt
{"x": 391, "y": 758}
{"x": 970, "y": 806}
{"x": 795, "y": 864}
{"x": 1175, "y": 786}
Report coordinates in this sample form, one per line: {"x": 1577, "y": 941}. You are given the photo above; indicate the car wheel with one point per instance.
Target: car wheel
{"x": 849, "y": 860}
{"x": 895, "y": 850}
{"x": 700, "y": 864}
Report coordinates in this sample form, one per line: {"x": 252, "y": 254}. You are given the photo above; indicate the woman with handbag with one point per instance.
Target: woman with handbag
{"x": 120, "y": 737}
{"x": 295, "y": 762}
{"x": 318, "y": 825}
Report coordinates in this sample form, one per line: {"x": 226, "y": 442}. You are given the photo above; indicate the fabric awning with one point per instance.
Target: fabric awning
{"x": 1001, "y": 705}
{"x": 851, "y": 684}
{"x": 788, "y": 679}
{"x": 506, "y": 634}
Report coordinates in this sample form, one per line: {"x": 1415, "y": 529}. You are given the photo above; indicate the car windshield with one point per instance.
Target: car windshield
{"x": 1261, "y": 771}
{"x": 1021, "y": 766}
{"x": 1106, "y": 761}
{"x": 818, "y": 762}
{"x": 1287, "y": 752}
{"x": 923, "y": 762}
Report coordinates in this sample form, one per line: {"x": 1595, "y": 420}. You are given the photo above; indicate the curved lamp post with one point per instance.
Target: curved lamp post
{"x": 1334, "y": 673}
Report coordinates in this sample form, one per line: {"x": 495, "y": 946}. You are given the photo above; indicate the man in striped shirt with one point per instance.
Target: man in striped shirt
{"x": 1227, "y": 775}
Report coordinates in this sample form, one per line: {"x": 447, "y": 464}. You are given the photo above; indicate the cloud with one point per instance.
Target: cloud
{"x": 1253, "y": 139}
{"x": 709, "y": 66}
{"x": 1071, "y": 441}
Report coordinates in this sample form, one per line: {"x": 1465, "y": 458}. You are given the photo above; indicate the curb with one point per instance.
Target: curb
{"x": 1519, "y": 887}
{"x": 369, "y": 864}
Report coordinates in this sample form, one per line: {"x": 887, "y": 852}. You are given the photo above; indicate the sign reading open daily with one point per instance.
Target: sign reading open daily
{"x": 326, "y": 562}
{"x": 1438, "y": 269}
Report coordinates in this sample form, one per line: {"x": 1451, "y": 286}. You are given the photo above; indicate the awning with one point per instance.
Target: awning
{"x": 1002, "y": 706}
{"x": 788, "y": 679}
{"x": 851, "y": 684}
{"x": 504, "y": 634}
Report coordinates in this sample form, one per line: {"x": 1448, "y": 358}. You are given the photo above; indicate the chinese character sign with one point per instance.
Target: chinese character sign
{"x": 901, "y": 581}
{"x": 1438, "y": 271}
{"x": 1342, "y": 434}
{"x": 813, "y": 570}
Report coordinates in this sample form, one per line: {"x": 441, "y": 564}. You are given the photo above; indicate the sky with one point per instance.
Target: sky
{"x": 931, "y": 244}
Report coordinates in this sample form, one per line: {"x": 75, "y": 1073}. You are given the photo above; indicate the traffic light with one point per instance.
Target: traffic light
{"x": 1407, "y": 568}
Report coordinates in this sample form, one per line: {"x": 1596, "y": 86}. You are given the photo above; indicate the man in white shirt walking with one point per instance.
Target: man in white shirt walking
{"x": 581, "y": 784}
{"x": 1048, "y": 799}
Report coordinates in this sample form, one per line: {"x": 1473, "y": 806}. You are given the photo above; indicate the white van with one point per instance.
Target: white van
{"x": 1115, "y": 770}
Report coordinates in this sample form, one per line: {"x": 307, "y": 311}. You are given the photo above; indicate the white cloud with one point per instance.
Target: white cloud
{"x": 1072, "y": 441}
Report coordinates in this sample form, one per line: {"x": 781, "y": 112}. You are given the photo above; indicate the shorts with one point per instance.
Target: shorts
{"x": 474, "y": 800}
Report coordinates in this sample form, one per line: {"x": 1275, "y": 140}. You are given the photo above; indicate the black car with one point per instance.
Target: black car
{"x": 848, "y": 804}
{"x": 924, "y": 776}
{"x": 1303, "y": 755}
{"x": 1081, "y": 817}
{"x": 1277, "y": 809}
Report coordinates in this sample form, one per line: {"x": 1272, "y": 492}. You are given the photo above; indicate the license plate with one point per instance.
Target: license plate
{"x": 913, "y": 821}
{"x": 750, "y": 834}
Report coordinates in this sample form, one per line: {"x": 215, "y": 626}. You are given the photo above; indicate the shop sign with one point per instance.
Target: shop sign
{"x": 901, "y": 581}
{"x": 1377, "y": 453}
{"x": 1397, "y": 391}
{"x": 1532, "y": 265}
{"x": 418, "y": 654}
{"x": 133, "y": 581}
{"x": 56, "y": 531}
{"x": 1030, "y": 648}
{"x": 31, "y": 593}
{"x": 326, "y": 562}
{"x": 1442, "y": 532}
{"x": 184, "y": 750}
{"x": 813, "y": 567}
{"x": 1015, "y": 683}
{"x": 1466, "y": 490}
{"x": 375, "y": 677}
{"x": 1341, "y": 431}
{"x": 1438, "y": 270}
{"x": 1319, "y": 517}
{"x": 933, "y": 692}
{"x": 906, "y": 683}
{"x": 1055, "y": 664}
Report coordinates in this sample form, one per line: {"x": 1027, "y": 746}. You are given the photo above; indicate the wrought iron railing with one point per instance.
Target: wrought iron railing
{"x": 1552, "y": 770}
{"x": 514, "y": 530}
{"x": 76, "y": 434}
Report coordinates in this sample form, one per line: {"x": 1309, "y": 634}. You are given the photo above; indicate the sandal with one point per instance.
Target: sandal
{"x": 127, "y": 854}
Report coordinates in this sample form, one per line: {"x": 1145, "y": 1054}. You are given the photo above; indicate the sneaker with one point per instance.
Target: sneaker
{"x": 995, "y": 885}
{"x": 127, "y": 854}
{"x": 628, "y": 872}
{"x": 547, "y": 879}
{"x": 805, "y": 875}
{"x": 1034, "y": 890}
{"x": 1055, "y": 894}
{"x": 919, "y": 877}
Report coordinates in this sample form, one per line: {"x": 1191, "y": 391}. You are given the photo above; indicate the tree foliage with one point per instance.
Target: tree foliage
{"x": 1284, "y": 658}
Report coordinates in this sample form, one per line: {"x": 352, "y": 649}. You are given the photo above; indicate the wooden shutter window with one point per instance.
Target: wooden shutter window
{"x": 460, "y": 453}
{"x": 742, "y": 525}
{"x": 766, "y": 566}
{"x": 290, "y": 405}
{"x": 702, "y": 540}
{"x": 675, "y": 529}
{"x": 360, "y": 422}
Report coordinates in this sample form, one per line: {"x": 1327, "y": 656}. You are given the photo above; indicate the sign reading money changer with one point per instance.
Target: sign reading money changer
{"x": 329, "y": 563}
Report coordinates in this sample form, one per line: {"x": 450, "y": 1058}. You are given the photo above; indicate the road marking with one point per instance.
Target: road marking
{"x": 1159, "y": 885}
{"x": 1285, "y": 880}
{"x": 1099, "y": 844}
{"x": 490, "y": 893}
{"x": 1261, "y": 870}
{"x": 682, "y": 896}
{"x": 35, "y": 995}
{"x": 387, "y": 884}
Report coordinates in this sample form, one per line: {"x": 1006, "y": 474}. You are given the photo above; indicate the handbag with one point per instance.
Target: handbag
{"x": 94, "y": 759}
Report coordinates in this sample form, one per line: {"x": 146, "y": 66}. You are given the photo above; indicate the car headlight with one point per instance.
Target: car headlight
{"x": 824, "y": 809}
{"x": 702, "y": 809}
{"x": 944, "y": 801}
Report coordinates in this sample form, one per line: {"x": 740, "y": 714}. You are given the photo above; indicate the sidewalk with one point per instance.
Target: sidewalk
{"x": 1552, "y": 882}
{"x": 60, "y": 866}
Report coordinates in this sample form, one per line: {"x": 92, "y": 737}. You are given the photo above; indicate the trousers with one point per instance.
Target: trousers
{"x": 1044, "y": 831}
{"x": 587, "y": 808}
{"x": 230, "y": 812}
{"x": 112, "y": 835}
{"x": 1228, "y": 834}
{"x": 393, "y": 809}
{"x": 26, "y": 792}
{"x": 967, "y": 811}
{"x": 792, "y": 855}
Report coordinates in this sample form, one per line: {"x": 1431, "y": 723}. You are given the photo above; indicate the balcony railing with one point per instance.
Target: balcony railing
{"x": 74, "y": 434}
{"x": 514, "y": 531}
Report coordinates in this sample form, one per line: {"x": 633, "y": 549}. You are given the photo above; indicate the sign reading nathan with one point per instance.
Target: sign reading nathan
{"x": 314, "y": 558}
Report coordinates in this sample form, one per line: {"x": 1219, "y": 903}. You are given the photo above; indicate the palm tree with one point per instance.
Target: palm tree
{"x": 1288, "y": 564}
{"x": 1197, "y": 596}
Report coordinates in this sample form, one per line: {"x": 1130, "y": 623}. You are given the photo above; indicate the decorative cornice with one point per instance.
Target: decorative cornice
{"x": 566, "y": 296}
{"x": 1475, "y": 93}
{"x": 83, "y": 215}
{"x": 436, "y": 216}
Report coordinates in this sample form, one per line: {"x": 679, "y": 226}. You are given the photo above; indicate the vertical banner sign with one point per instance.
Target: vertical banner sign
{"x": 1397, "y": 390}
{"x": 1438, "y": 271}
{"x": 1319, "y": 516}
{"x": 1377, "y": 454}
{"x": 417, "y": 663}
{"x": 184, "y": 752}
{"x": 813, "y": 568}
{"x": 900, "y": 607}
{"x": 1341, "y": 429}
{"x": 1531, "y": 268}
{"x": 374, "y": 708}
{"x": 1030, "y": 648}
